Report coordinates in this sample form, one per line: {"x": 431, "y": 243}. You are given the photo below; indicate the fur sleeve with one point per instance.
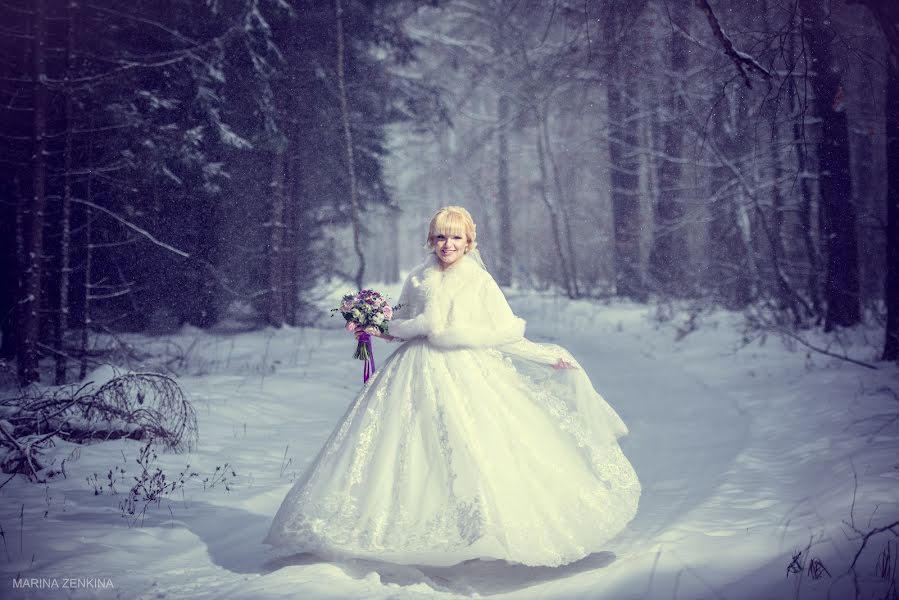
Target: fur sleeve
{"x": 407, "y": 329}
{"x": 409, "y": 320}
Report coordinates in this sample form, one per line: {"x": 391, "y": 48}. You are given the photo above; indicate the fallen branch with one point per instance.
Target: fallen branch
{"x": 145, "y": 406}
{"x": 824, "y": 351}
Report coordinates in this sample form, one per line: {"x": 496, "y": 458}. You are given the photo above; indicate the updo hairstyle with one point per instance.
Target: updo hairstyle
{"x": 451, "y": 221}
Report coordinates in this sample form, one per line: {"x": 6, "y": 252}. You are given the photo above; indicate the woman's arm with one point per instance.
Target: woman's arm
{"x": 408, "y": 319}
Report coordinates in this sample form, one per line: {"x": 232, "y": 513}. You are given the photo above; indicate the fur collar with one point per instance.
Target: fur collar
{"x": 434, "y": 278}
{"x": 457, "y": 307}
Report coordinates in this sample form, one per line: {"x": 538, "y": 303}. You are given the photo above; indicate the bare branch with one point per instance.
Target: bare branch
{"x": 132, "y": 226}
{"x": 740, "y": 59}
{"x": 174, "y": 33}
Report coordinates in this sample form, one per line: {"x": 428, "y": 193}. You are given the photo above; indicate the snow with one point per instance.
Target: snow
{"x": 747, "y": 454}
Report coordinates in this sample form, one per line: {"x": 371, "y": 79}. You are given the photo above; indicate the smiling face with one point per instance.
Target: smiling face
{"x": 449, "y": 248}
{"x": 451, "y": 234}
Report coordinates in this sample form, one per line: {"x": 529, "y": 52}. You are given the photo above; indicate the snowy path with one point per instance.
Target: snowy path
{"x": 743, "y": 455}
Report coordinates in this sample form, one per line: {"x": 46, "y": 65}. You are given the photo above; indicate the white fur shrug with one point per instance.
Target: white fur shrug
{"x": 459, "y": 307}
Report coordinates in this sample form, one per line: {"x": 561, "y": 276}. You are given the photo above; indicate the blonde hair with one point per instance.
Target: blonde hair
{"x": 453, "y": 220}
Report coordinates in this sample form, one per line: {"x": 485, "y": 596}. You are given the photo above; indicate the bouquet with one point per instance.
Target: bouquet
{"x": 369, "y": 312}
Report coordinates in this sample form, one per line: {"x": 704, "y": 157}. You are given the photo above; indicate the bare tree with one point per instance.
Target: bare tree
{"x": 624, "y": 163}
{"x": 65, "y": 251}
{"x": 290, "y": 259}
{"x": 355, "y": 218}
{"x": 838, "y": 213}
{"x": 731, "y": 274}
{"x": 562, "y": 215}
{"x": 669, "y": 256}
{"x": 891, "y": 287}
{"x": 277, "y": 287}
{"x": 33, "y": 211}
{"x": 503, "y": 116}
{"x": 887, "y": 15}
{"x": 503, "y": 274}
{"x": 554, "y": 210}
{"x": 798, "y": 132}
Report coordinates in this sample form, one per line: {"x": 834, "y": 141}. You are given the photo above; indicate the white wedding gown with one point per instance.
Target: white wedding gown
{"x": 466, "y": 444}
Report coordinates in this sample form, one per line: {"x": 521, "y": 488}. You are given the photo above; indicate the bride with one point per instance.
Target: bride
{"x": 470, "y": 442}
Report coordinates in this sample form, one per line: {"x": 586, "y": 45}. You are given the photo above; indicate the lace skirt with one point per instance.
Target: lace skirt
{"x": 450, "y": 455}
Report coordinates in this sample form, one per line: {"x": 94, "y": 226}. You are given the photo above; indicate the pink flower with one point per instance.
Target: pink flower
{"x": 372, "y": 330}
{"x": 388, "y": 312}
{"x": 350, "y": 326}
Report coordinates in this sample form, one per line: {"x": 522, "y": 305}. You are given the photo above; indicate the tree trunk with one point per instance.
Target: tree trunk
{"x": 393, "y": 259}
{"x": 355, "y": 219}
{"x": 33, "y": 213}
{"x": 729, "y": 272}
{"x": 807, "y": 199}
{"x": 503, "y": 275}
{"x": 623, "y": 174}
{"x": 290, "y": 258}
{"x": 88, "y": 264}
{"x": 838, "y": 218}
{"x": 776, "y": 277}
{"x": 786, "y": 298}
{"x": 65, "y": 269}
{"x": 204, "y": 310}
{"x": 887, "y": 14}
{"x": 669, "y": 257}
{"x": 276, "y": 243}
{"x": 780, "y": 286}
{"x": 891, "y": 287}
{"x": 554, "y": 216}
{"x": 9, "y": 267}
{"x": 563, "y": 211}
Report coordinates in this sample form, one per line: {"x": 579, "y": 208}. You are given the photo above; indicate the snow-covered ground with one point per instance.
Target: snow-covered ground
{"x": 747, "y": 454}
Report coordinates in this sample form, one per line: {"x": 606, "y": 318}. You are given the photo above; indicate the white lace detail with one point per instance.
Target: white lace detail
{"x": 427, "y": 466}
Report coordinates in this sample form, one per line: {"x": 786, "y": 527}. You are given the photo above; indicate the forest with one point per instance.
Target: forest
{"x": 172, "y": 163}
{"x": 696, "y": 200}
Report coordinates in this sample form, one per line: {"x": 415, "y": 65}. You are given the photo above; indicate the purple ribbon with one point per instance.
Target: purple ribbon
{"x": 368, "y": 366}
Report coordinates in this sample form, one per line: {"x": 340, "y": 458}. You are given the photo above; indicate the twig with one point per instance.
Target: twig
{"x": 283, "y": 465}
{"x": 5, "y": 547}
{"x": 892, "y": 527}
{"x": 10, "y": 478}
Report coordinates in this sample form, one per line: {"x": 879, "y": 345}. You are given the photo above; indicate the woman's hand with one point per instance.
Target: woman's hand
{"x": 383, "y": 336}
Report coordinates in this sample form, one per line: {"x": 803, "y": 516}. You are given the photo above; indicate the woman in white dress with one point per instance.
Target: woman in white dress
{"x": 469, "y": 442}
